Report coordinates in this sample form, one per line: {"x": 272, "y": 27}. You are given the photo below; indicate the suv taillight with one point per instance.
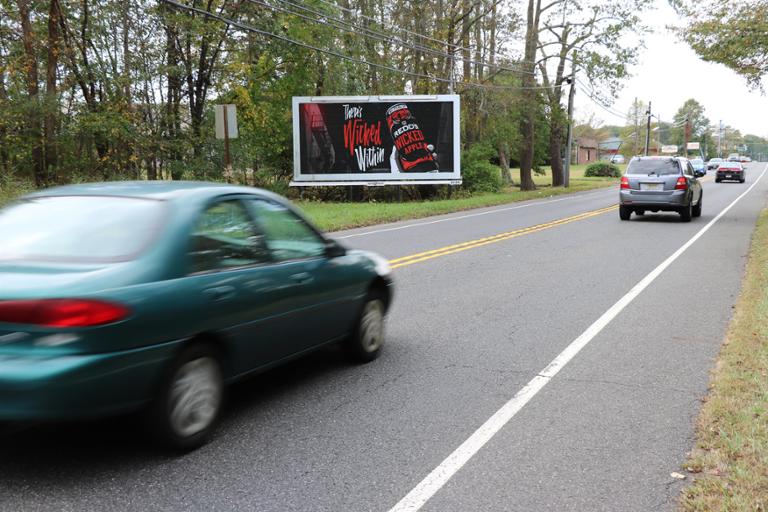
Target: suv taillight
{"x": 61, "y": 312}
{"x": 624, "y": 182}
{"x": 682, "y": 184}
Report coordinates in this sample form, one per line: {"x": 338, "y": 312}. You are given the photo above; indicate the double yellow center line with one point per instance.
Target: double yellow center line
{"x": 464, "y": 246}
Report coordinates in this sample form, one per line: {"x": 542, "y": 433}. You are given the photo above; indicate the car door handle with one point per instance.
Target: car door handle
{"x": 220, "y": 293}
{"x": 302, "y": 278}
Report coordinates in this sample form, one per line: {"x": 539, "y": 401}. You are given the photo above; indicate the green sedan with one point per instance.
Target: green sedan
{"x": 116, "y": 297}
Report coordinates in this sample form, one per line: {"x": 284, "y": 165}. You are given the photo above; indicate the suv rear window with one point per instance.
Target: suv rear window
{"x": 78, "y": 228}
{"x": 657, "y": 167}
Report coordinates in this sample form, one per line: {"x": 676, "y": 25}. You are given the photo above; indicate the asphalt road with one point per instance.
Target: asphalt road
{"x": 471, "y": 326}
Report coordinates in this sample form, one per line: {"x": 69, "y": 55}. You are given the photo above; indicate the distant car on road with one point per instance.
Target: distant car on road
{"x": 714, "y": 162}
{"x": 731, "y": 171}
{"x": 734, "y": 157}
{"x": 699, "y": 165}
{"x": 617, "y": 159}
{"x": 659, "y": 183}
{"x": 152, "y": 295}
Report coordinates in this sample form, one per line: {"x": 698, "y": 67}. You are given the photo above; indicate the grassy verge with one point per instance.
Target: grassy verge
{"x": 731, "y": 455}
{"x": 336, "y": 216}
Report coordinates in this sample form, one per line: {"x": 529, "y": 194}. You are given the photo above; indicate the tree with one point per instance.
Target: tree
{"x": 733, "y": 33}
{"x": 597, "y": 31}
{"x": 692, "y": 113}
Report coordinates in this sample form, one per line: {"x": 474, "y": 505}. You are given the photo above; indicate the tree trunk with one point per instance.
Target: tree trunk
{"x": 51, "y": 103}
{"x": 35, "y": 125}
{"x": 527, "y": 124}
{"x": 504, "y": 164}
{"x": 556, "y": 149}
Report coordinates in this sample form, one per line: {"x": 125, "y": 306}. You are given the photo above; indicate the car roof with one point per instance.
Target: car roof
{"x": 658, "y": 158}
{"x": 160, "y": 190}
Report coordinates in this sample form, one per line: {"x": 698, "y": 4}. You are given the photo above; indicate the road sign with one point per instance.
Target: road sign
{"x": 694, "y": 146}
{"x": 669, "y": 149}
{"x": 230, "y": 130}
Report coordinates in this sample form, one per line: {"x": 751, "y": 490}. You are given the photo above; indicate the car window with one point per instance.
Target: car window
{"x": 287, "y": 236}
{"x": 224, "y": 237}
{"x": 657, "y": 167}
{"x": 688, "y": 169}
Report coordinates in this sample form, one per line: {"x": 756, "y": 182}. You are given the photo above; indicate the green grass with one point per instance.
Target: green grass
{"x": 337, "y": 216}
{"x": 730, "y": 461}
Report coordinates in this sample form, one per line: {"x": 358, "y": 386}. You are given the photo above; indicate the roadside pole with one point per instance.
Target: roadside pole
{"x": 227, "y": 157}
{"x": 569, "y": 138}
{"x": 648, "y": 130}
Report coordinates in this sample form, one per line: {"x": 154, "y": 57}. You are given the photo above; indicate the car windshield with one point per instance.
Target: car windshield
{"x": 657, "y": 167}
{"x": 697, "y": 161}
{"x": 78, "y": 228}
{"x": 716, "y": 160}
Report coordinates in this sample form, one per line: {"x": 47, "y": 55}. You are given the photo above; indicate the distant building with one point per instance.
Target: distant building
{"x": 586, "y": 151}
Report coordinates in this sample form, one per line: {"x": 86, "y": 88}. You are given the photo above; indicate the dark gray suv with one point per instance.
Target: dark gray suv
{"x": 660, "y": 183}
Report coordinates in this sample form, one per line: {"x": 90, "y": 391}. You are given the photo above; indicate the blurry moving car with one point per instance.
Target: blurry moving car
{"x": 731, "y": 171}
{"x": 734, "y": 157}
{"x": 714, "y": 162}
{"x": 617, "y": 159}
{"x": 699, "y": 165}
{"x": 747, "y": 159}
{"x": 154, "y": 295}
{"x": 659, "y": 183}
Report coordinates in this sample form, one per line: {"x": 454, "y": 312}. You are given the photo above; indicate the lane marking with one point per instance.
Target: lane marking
{"x": 452, "y": 249}
{"x": 478, "y": 214}
{"x": 439, "y": 476}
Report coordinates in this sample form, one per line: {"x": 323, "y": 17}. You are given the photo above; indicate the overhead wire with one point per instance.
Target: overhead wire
{"x": 380, "y": 36}
{"x": 249, "y": 28}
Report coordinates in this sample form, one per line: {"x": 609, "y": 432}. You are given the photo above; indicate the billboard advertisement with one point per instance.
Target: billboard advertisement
{"x": 376, "y": 140}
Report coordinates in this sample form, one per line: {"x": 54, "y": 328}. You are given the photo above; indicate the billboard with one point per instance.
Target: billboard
{"x": 376, "y": 140}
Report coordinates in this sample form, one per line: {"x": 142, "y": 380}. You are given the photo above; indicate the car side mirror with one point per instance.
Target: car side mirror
{"x": 699, "y": 174}
{"x": 334, "y": 249}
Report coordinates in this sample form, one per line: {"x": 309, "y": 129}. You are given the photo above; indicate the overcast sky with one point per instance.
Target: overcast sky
{"x": 669, "y": 73}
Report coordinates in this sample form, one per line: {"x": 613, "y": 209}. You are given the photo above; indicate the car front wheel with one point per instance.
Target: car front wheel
{"x": 365, "y": 343}
{"x": 189, "y": 400}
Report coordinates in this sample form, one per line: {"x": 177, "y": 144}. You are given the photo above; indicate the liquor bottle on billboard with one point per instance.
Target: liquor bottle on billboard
{"x": 413, "y": 151}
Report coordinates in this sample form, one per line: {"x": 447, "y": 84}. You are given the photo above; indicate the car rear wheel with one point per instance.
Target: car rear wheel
{"x": 717, "y": 180}
{"x": 686, "y": 213}
{"x": 624, "y": 212}
{"x": 189, "y": 400}
{"x": 364, "y": 345}
{"x": 640, "y": 212}
{"x": 697, "y": 208}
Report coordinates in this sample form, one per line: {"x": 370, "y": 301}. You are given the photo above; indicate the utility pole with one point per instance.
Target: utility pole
{"x": 569, "y": 137}
{"x": 648, "y": 129}
{"x": 637, "y": 128}
{"x": 720, "y": 140}
{"x": 687, "y": 136}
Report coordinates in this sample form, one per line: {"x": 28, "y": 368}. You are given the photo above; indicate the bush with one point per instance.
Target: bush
{"x": 477, "y": 172}
{"x": 602, "y": 169}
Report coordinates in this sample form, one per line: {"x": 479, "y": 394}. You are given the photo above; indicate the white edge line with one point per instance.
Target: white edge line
{"x": 433, "y": 482}
{"x": 495, "y": 210}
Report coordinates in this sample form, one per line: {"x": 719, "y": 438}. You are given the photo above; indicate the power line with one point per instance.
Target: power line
{"x": 334, "y": 53}
{"x": 379, "y": 36}
{"x": 371, "y": 18}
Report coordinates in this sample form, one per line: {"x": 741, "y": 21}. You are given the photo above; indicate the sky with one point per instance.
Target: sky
{"x": 724, "y": 94}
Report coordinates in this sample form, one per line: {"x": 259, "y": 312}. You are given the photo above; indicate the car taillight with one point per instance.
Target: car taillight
{"x": 61, "y": 312}
{"x": 624, "y": 182}
{"x": 682, "y": 184}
